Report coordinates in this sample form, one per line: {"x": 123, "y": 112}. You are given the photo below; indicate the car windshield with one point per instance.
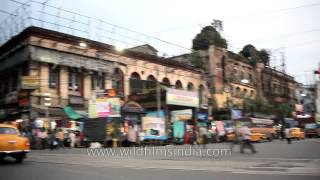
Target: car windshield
{"x": 8, "y": 130}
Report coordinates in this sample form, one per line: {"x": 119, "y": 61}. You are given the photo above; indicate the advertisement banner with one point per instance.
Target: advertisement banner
{"x": 155, "y": 113}
{"x": 181, "y": 115}
{"x": 104, "y": 107}
{"x": 178, "y": 118}
{"x": 202, "y": 116}
{"x": 220, "y": 128}
{"x": 154, "y": 128}
{"x": 115, "y": 107}
{"x": 182, "y": 98}
{"x": 236, "y": 114}
{"x": 30, "y": 82}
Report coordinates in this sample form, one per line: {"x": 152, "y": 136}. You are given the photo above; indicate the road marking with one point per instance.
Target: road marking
{"x": 276, "y": 173}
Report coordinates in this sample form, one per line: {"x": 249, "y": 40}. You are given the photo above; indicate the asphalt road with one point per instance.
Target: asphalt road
{"x": 275, "y": 160}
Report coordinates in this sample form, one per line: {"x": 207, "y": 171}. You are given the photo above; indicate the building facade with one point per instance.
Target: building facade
{"x": 64, "y": 70}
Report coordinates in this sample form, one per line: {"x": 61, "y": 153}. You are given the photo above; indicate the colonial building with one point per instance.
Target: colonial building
{"x": 44, "y": 69}
{"x": 231, "y": 78}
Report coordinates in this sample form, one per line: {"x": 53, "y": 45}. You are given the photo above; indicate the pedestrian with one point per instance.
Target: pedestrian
{"x": 52, "y": 140}
{"x": 287, "y": 133}
{"x": 204, "y": 135}
{"x": 72, "y": 138}
{"x": 43, "y": 138}
{"x": 245, "y": 136}
{"x": 60, "y": 138}
{"x": 132, "y": 136}
{"x": 237, "y": 138}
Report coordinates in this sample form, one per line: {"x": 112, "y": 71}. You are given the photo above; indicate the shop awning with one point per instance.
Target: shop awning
{"x": 71, "y": 113}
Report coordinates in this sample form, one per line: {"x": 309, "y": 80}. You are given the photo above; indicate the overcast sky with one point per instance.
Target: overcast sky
{"x": 290, "y": 26}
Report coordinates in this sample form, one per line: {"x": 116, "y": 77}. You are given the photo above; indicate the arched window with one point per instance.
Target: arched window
{"x": 251, "y": 93}
{"x": 136, "y": 85}
{"x": 118, "y": 82}
{"x": 245, "y": 91}
{"x": 166, "y": 81}
{"x": 151, "y": 82}
{"x": 190, "y": 86}
{"x": 179, "y": 85}
{"x": 135, "y": 75}
{"x": 151, "y": 78}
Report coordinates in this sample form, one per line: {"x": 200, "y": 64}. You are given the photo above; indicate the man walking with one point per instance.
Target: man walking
{"x": 245, "y": 134}
{"x": 288, "y": 135}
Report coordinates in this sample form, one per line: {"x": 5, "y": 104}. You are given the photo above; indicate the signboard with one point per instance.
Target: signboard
{"x": 220, "y": 128}
{"x": 182, "y": 98}
{"x": 181, "y": 115}
{"x": 155, "y": 113}
{"x": 76, "y": 100}
{"x": 115, "y": 107}
{"x": 201, "y": 116}
{"x": 236, "y": 114}
{"x": 154, "y": 128}
{"x": 30, "y": 82}
{"x": 104, "y": 107}
{"x": 178, "y": 118}
{"x": 262, "y": 121}
{"x": 106, "y": 93}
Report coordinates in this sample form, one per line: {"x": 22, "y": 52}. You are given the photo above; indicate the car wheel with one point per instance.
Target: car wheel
{"x": 20, "y": 158}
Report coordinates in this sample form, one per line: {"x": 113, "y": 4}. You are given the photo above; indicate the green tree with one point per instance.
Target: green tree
{"x": 254, "y": 56}
{"x": 264, "y": 56}
{"x": 198, "y": 60}
{"x": 257, "y": 104}
{"x": 208, "y": 35}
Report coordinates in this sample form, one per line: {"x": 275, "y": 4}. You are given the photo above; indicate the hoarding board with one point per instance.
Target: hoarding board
{"x": 154, "y": 128}
{"x": 182, "y": 98}
{"x": 104, "y": 107}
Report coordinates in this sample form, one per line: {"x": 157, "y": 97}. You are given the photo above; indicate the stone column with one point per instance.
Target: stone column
{"x": 126, "y": 86}
{"x": 86, "y": 86}
{"x": 63, "y": 86}
{"x": 259, "y": 69}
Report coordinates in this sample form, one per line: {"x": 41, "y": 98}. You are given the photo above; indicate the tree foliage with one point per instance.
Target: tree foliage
{"x": 208, "y": 35}
{"x": 257, "y": 104}
{"x": 283, "y": 110}
{"x": 254, "y": 56}
{"x": 198, "y": 60}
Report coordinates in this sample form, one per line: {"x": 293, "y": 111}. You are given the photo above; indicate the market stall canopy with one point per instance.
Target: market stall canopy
{"x": 71, "y": 113}
{"x": 133, "y": 107}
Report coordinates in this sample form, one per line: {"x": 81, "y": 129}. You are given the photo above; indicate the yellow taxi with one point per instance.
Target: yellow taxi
{"x": 12, "y": 143}
{"x": 254, "y": 137}
{"x": 296, "y": 133}
{"x": 270, "y": 133}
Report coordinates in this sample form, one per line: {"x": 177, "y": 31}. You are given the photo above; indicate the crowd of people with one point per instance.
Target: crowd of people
{"x": 53, "y": 139}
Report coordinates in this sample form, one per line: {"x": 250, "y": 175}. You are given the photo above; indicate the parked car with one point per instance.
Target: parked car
{"x": 12, "y": 143}
{"x": 296, "y": 133}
